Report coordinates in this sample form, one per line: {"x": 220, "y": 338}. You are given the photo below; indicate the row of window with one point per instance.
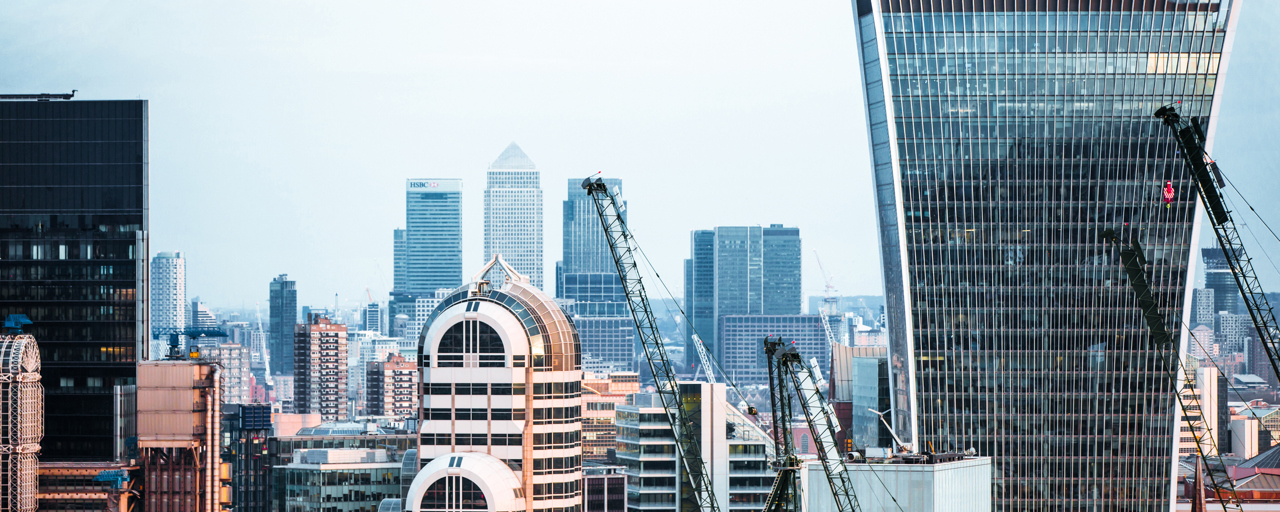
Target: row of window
{"x": 472, "y": 439}
{"x": 1011, "y": 20}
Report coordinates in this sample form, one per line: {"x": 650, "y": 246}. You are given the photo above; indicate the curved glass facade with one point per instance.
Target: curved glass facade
{"x": 1006, "y": 137}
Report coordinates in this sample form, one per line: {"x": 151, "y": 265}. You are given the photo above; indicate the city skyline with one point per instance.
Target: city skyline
{"x": 1003, "y": 245}
{"x": 231, "y": 144}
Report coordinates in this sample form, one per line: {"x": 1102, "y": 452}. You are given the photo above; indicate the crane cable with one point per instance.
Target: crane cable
{"x": 728, "y": 380}
{"x": 716, "y": 362}
{"x": 1250, "y": 230}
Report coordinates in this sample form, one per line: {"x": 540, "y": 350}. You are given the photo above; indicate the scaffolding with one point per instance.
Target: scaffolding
{"x": 21, "y": 422}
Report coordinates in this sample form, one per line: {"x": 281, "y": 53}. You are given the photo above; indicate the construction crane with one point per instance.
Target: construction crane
{"x": 683, "y": 421}
{"x": 191, "y": 333}
{"x": 829, "y": 301}
{"x": 1191, "y": 140}
{"x": 704, "y": 359}
{"x": 785, "y": 494}
{"x": 266, "y": 345}
{"x": 1134, "y": 262}
{"x": 793, "y": 374}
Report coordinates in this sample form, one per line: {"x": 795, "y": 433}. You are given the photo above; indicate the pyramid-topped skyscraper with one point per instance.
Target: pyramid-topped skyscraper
{"x": 513, "y": 213}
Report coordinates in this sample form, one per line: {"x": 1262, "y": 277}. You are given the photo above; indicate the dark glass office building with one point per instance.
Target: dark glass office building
{"x": 282, "y": 316}
{"x": 73, "y": 257}
{"x": 1007, "y": 135}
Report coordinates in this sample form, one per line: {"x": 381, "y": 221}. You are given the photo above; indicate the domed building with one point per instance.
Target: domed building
{"x": 501, "y": 404}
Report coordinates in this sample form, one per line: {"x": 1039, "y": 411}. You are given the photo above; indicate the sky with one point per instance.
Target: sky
{"x": 282, "y": 133}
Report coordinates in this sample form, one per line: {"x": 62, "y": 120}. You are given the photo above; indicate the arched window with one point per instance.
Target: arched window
{"x": 470, "y": 337}
{"x": 453, "y": 493}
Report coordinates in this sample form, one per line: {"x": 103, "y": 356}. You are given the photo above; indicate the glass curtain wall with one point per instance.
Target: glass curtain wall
{"x": 1006, "y": 137}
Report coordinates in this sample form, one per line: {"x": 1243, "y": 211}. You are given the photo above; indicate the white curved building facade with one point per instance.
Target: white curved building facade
{"x": 501, "y": 403}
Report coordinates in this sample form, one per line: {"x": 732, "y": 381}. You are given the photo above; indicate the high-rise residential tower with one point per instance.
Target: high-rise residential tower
{"x": 513, "y": 213}
{"x": 282, "y": 317}
{"x": 432, "y": 238}
{"x": 501, "y": 415}
{"x": 1218, "y": 277}
{"x": 168, "y": 292}
{"x": 1006, "y": 136}
{"x": 320, "y": 368}
{"x": 74, "y": 256}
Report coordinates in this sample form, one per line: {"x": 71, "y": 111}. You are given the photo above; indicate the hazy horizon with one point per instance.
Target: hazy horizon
{"x": 281, "y": 135}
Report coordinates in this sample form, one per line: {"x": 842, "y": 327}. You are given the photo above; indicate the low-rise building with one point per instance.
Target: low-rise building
{"x": 600, "y": 397}
{"x": 245, "y": 430}
{"x": 338, "y": 480}
{"x": 918, "y": 484}
{"x": 604, "y": 487}
{"x": 179, "y": 423}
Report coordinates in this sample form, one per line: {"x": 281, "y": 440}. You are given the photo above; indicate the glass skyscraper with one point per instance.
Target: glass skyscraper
{"x": 740, "y": 270}
{"x": 431, "y": 250}
{"x": 782, "y": 258}
{"x": 1004, "y": 142}
{"x": 282, "y": 316}
{"x": 588, "y": 276}
{"x": 73, "y": 258}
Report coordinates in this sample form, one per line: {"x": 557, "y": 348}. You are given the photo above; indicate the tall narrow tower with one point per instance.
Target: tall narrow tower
{"x": 513, "y": 213}
{"x": 168, "y": 292}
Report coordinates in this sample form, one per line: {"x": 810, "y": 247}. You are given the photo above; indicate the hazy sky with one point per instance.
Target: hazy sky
{"x": 281, "y": 133}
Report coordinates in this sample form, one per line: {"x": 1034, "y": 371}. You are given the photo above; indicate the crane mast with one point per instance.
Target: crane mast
{"x": 821, "y": 419}
{"x": 785, "y": 494}
{"x": 683, "y": 421}
{"x": 1206, "y": 450}
{"x": 1190, "y": 140}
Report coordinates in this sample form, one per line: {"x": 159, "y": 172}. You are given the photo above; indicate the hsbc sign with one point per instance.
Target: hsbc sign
{"x": 449, "y": 185}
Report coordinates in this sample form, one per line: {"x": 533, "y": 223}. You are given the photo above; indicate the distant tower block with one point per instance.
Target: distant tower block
{"x": 21, "y": 421}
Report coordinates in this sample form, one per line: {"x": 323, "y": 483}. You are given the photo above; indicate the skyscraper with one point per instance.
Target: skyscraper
{"x": 282, "y": 317}
{"x": 513, "y": 213}
{"x": 699, "y": 289}
{"x": 1004, "y": 141}
{"x": 782, "y": 257}
{"x": 732, "y": 275}
{"x": 400, "y": 260}
{"x": 589, "y": 277}
{"x": 585, "y": 248}
{"x": 432, "y": 236}
{"x": 74, "y": 256}
{"x": 501, "y": 415}
{"x": 168, "y": 292}
{"x": 1218, "y": 277}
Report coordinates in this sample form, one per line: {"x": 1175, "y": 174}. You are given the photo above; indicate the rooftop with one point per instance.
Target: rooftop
{"x": 512, "y": 158}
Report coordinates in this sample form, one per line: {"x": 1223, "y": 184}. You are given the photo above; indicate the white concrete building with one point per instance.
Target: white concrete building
{"x": 168, "y": 292}
{"x": 513, "y": 213}
{"x": 736, "y": 451}
{"x": 958, "y": 486}
{"x": 501, "y": 409}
